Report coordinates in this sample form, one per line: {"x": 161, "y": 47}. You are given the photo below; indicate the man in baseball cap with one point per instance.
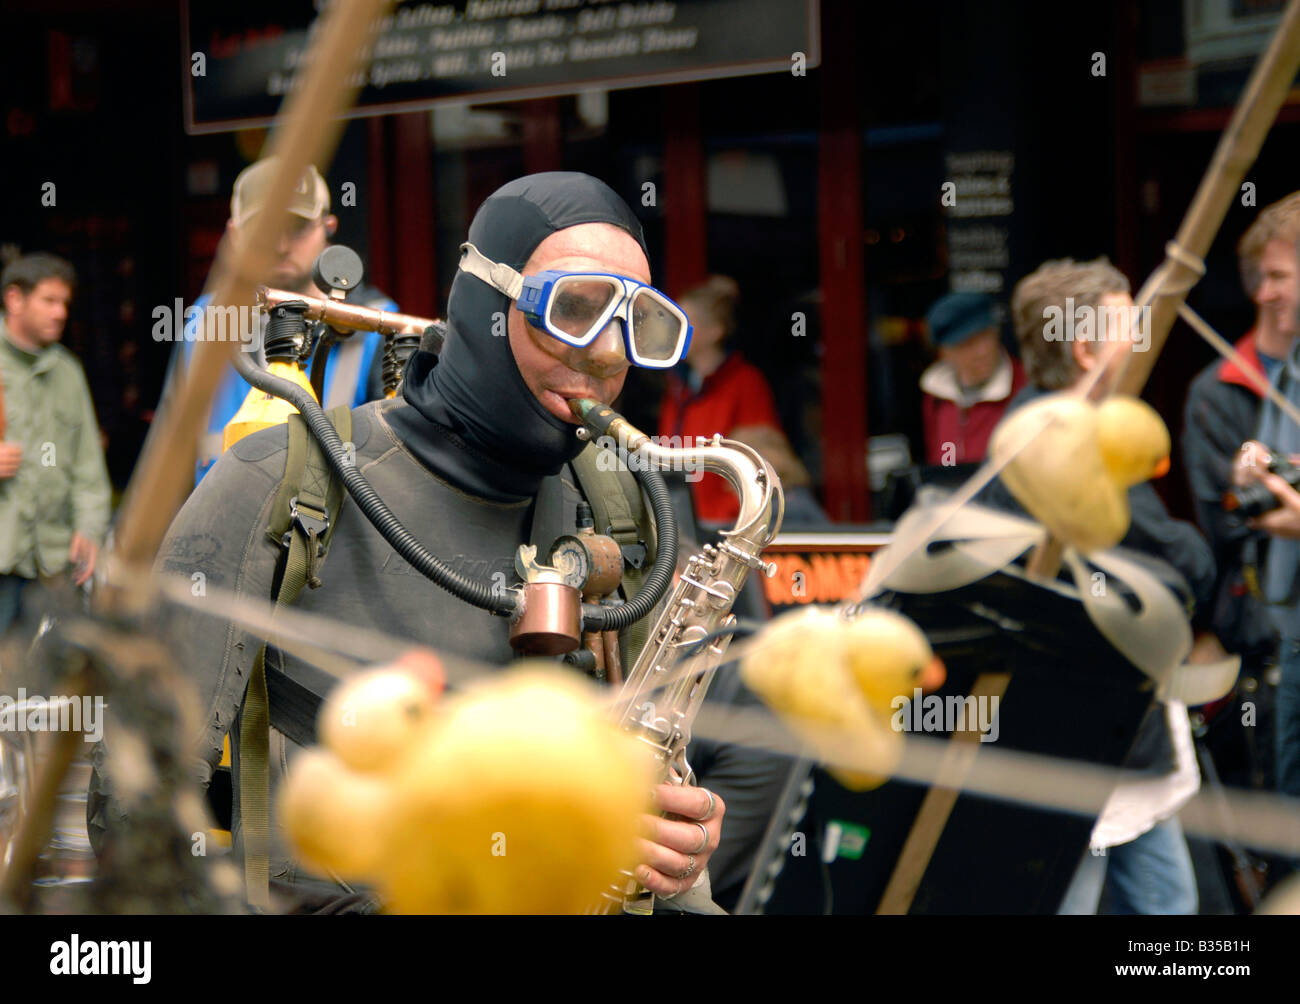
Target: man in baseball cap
{"x": 968, "y": 388}
{"x": 307, "y": 226}
{"x": 354, "y": 369}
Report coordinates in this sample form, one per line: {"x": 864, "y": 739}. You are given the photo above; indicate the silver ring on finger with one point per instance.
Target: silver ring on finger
{"x": 690, "y": 866}
{"x": 713, "y": 805}
{"x": 704, "y": 839}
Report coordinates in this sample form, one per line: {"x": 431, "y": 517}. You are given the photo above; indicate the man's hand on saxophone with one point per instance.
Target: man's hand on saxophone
{"x": 680, "y": 842}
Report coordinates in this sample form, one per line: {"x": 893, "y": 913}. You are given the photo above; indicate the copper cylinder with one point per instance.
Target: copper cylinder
{"x": 606, "y": 564}
{"x": 551, "y": 623}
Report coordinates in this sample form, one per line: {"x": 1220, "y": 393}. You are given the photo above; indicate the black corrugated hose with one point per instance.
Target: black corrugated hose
{"x": 594, "y": 618}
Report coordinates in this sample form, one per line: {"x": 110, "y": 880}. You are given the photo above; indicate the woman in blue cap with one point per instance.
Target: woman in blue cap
{"x": 967, "y": 390}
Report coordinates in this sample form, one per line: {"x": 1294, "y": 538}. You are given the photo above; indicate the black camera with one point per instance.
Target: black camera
{"x": 1254, "y": 499}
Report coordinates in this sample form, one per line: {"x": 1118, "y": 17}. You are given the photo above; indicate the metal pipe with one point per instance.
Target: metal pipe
{"x": 348, "y": 316}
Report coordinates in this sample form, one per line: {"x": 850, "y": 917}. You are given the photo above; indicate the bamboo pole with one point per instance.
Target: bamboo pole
{"x": 307, "y": 135}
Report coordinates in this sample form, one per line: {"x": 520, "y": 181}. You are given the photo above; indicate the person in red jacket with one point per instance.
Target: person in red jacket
{"x": 715, "y": 390}
{"x": 969, "y": 387}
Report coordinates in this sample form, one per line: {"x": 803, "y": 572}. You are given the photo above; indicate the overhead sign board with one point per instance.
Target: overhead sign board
{"x": 242, "y": 59}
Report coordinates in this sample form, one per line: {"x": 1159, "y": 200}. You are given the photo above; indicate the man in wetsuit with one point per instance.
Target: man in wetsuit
{"x": 461, "y": 457}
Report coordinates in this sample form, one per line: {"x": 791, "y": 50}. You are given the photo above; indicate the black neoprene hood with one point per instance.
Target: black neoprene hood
{"x": 475, "y": 388}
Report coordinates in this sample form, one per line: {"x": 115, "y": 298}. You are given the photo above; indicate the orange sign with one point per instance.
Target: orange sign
{"x": 818, "y": 568}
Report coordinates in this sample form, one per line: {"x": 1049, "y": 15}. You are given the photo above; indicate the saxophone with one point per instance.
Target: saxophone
{"x": 665, "y": 688}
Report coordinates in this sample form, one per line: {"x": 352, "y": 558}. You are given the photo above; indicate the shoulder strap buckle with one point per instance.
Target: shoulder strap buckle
{"x": 634, "y": 552}
{"x": 313, "y": 522}
{"x": 628, "y": 537}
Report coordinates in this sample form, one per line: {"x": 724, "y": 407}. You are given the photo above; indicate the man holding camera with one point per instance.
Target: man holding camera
{"x": 1271, "y": 271}
{"x": 1223, "y": 410}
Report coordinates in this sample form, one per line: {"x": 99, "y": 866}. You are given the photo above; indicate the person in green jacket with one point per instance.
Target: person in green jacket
{"x": 54, "y": 488}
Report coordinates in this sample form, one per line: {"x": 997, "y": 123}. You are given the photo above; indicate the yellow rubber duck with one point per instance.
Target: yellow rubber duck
{"x": 836, "y": 682}
{"x": 516, "y": 795}
{"x": 1133, "y": 439}
{"x": 1074, "y": 476}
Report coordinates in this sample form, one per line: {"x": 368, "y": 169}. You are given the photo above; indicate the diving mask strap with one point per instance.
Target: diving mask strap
{"x": 500, "y": 277}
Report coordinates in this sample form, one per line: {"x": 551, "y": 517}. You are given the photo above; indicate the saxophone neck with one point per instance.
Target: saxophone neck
{"x": 762, "y": 502}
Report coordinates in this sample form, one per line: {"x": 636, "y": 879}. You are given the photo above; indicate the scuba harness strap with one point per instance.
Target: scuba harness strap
{"x": 302, "y": 521}
{"x": 620, "y": 511}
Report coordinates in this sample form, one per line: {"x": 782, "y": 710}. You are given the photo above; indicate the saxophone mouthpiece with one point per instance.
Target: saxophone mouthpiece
{"x": 580, "y": 406}
{"x": 603, "y": 420}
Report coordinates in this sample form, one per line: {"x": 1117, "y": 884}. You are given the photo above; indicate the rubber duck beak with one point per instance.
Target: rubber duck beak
{"x": 1162, "y": 468}
{"x": 933, "y": 675}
